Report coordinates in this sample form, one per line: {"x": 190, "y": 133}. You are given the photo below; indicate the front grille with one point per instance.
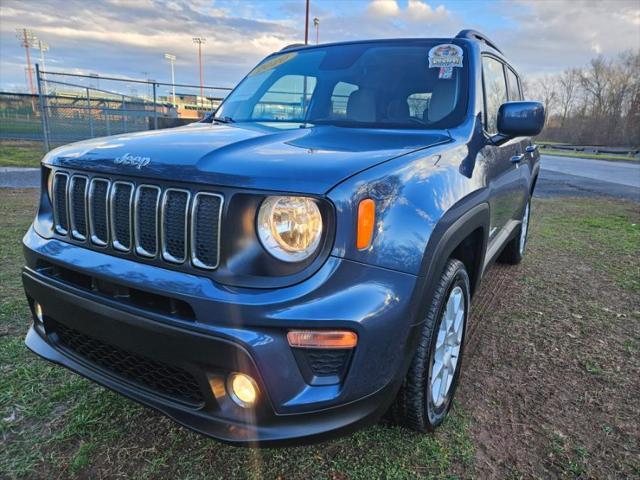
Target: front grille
{"x": 151, "y": 221}
{"x": 157, "y": 376}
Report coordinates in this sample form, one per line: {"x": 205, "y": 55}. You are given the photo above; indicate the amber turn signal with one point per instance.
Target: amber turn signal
{"x": 366, "y": 221}
{"x": 322, "y": 339}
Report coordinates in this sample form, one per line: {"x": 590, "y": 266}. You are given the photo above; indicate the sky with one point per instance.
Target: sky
{"x": 127, "y": 38}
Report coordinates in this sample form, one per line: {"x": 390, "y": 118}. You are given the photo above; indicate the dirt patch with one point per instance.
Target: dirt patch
{"x": 551, "y": 375}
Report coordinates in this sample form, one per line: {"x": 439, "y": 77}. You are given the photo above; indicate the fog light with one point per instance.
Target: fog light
{"x": 37, "y": 308}
{"x": 243, "y": 389}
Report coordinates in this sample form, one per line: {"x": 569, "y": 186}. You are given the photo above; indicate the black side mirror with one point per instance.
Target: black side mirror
{"x": 519, "y": 119}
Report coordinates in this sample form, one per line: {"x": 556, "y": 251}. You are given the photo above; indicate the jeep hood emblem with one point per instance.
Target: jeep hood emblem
{"x": 137, "y": 161}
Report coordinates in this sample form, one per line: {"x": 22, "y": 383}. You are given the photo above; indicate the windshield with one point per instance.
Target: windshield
{"x": 408, "y": 84}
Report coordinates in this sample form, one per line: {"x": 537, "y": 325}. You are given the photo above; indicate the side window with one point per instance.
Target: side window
{"x": 340, "y": 97}
{"x": 418, "y": 103}
{"x": 495, "y": 91}
{"x": 514, "y": 89}
{"x": 287, "y": 99}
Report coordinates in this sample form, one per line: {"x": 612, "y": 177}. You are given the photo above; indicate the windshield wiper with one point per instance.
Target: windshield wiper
{"x": 224, "y": 119}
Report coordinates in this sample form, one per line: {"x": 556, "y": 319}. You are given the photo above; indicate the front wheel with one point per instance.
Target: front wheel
{"x": 427, "y": 392}
{"x": 513, "y": 252}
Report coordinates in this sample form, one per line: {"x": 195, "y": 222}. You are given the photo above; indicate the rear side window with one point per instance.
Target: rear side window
{"x": 495, "y": 91}
{"x": 514, "y": 89}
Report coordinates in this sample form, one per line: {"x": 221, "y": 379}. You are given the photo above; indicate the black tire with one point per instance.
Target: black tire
{"x": 414, "y": 407}
{"x": 514, "y": 251}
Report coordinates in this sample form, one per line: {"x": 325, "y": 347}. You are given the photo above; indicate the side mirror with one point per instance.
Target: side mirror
{"x": 519, "y": 119}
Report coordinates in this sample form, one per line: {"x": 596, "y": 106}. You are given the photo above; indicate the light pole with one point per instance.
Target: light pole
{"x": 306, "y": 24}
{"x": 43, "y": 47}
{"x": 199, "y": 41}
{"x": 28, "y": 40}
{"x": 316, "y": 25}
{"x": 172, "y": 60}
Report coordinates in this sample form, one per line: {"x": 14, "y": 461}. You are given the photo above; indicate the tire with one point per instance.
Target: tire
{"x": 514, "y": 251}
{"x": 415, "y": 406}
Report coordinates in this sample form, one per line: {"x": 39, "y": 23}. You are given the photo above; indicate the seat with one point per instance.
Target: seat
{"x": 361, "y": 106}
{"x": 442, "y": 102}
{"x": 398, "y": 110}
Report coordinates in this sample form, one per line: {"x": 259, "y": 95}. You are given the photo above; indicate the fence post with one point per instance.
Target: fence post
{"x": 43, "y": 111}
{"x": 123, "y": 106}
{"x": 90, "y": 112}
{"x": 155, "y": 108}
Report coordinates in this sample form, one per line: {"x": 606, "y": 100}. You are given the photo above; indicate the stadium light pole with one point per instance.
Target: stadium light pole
{"x": 316, "y": 24}
{"x": 306, "y": 24}
{"x": 199, "y": 41}
{"x": 43, "y": 47}
{"x": 172, "y": 60}
{"x": 27, "y": 39}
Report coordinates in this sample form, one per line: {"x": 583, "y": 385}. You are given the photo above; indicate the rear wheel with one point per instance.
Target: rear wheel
{"x": 427, "y": 392}
{"x": 513, "y": 252}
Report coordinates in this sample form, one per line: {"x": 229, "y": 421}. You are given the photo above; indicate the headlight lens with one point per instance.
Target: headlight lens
{"x": 290, "y": 228}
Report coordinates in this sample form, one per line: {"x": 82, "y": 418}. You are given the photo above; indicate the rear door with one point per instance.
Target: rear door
{"x": 503, "y": 176}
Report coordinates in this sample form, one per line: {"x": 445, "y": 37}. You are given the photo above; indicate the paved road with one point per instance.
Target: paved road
{"x": 559, "y": 176}
{"x": 623, "y": 172}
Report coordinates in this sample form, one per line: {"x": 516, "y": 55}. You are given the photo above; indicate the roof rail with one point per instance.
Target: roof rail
{"x": 475, "y": 35}
{"x": 293, "y": 45}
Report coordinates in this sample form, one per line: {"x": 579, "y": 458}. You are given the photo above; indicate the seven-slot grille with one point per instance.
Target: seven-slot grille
{"x": 147, "y": 220}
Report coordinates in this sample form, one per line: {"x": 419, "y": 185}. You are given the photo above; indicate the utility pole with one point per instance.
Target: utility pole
{"x": 199, "y": 41}
{"x": 316, "y": 24}
{"x": 43, "y": 47}
{"x": 306, "y": 25}
{"x": 27, "y": 39}
{"x": 172, "y": 60}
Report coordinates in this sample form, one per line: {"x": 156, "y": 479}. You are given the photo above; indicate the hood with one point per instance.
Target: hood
{"x": 255, "y": 156}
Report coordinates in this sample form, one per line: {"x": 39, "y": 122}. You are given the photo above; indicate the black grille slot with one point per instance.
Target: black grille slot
{"x": 98, "y": 211}
{"x": 157, "y": 376}
{"x": 60, "y": 202}
{"x": 327, "y": 362}
{"x": 146, "y": 209}
{"x": 78, "y": 207}
{"x": 206, "y": 230}
{"x": 121, "y": 215}
{"x": 174, "y": 225}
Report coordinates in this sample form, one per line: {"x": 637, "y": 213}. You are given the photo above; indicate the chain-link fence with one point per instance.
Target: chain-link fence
{"x": 71, "y": 107}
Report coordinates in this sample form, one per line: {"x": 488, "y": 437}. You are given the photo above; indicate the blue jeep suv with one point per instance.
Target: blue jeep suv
{"x": 302, "y": 261}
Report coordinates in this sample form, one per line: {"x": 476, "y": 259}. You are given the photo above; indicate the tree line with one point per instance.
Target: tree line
{"x": 598, "y": 104}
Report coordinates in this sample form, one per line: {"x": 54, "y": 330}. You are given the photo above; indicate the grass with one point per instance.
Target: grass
{"x": 20, "y": 153}
{"x": 55, "y": 424}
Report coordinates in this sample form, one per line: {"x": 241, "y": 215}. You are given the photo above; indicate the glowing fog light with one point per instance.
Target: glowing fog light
{"x": 37, "y": 308}
{"x": 243, "y": 389}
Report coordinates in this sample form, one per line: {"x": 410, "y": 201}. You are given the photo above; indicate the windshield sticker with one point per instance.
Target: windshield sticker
{"x": 273, "y": 63}
{"x": 445, "y": 73}
{"x": 445, "y": 56}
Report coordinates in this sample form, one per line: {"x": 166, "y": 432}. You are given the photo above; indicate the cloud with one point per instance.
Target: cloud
{"x": 418, "y": 11}
{"x": 383, "y": 8}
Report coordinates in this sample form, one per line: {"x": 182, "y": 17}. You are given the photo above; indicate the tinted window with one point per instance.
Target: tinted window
{"x": 495, "y": 91}
{"x": 371, "y": 84}
{"x": 514, "y": 90}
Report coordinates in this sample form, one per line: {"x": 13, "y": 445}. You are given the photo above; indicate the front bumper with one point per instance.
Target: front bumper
{"x": 233, "y": 330}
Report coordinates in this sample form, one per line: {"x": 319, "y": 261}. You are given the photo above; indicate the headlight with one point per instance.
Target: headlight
{"x": 290, "y": 227}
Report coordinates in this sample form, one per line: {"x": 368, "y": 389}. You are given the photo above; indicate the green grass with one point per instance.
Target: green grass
{"x": 594, "y": 156}
{"x": 18, "y": 153}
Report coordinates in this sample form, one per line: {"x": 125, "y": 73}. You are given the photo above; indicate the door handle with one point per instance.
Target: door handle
{"x": 517, "y": 158}
{"x": 531, "y": 148}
